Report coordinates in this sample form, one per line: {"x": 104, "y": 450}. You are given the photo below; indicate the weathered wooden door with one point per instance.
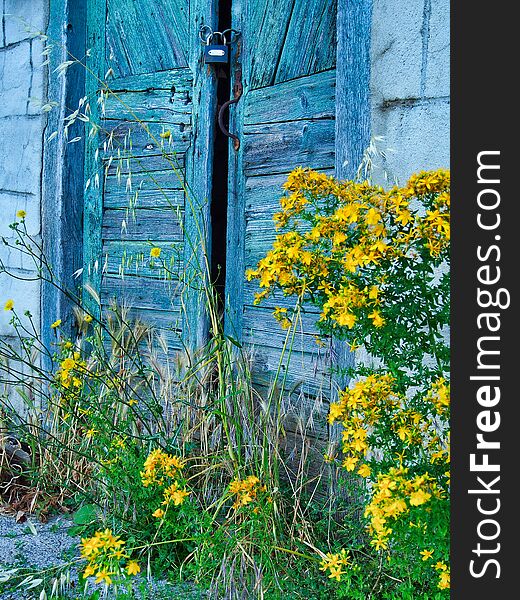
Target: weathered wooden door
{"x": 148, "y": 160}
{"x": 285, "y": 118}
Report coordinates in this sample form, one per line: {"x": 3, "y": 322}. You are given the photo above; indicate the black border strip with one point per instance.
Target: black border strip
{"x": 483, "y": 119}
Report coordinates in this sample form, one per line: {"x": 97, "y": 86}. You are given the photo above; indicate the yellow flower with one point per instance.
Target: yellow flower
{"x": 56, "y": 324}
{"x": 444, "y": 581}
{"x": 426, "y": 554}
{"x": 155, "y": 252}
{"x": 103, "y": 575}
{"x": 335, "y": 411}
{"x": 9, "y": 305}
{"x": 377, "y": 319}
{"x": 166, "y": 134}
{"x": 88, "y": 319}
{"x": 346, "y": 318}
{"x": 372, "y": 217}
{"x": 90, "y": 546}
{"x": 350, "y": 463}
{"x": 21, "y": 214}
{"x": 91, "y": 432}
{"x": 419, "y": 497}
{"x": 364, "y": 470}
{"x": 68, "y": 364}
{"x": 89, "y": 570}
{"x": 132, "y": 568}
{"x": 158, "y": 514}
{"x": 173, "y": 494}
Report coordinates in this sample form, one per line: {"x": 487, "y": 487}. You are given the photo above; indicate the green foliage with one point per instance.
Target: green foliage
{"x": 375, "y": 263}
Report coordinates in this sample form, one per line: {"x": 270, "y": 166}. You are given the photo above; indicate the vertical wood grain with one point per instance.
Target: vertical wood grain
{"x": 199, "y": 163}
{"x": 236, "y": 226}
{"x": 62, "y": 177}
{"x": 93, "y": 196}
{"x": 352, "y": 114}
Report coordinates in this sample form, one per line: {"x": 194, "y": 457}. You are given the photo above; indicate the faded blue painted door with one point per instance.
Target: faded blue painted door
{"x": 284, "y": 119}
{"x": 148, "y": 160}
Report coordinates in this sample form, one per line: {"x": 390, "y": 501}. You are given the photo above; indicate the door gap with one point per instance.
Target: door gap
{"x": 220, "y": 170}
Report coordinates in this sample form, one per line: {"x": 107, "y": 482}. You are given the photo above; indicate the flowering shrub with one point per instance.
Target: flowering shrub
{"x": 366, "y": 258}
{"x": 375, "y": 264}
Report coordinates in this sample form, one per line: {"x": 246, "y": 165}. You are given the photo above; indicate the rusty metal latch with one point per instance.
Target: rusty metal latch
{"x": 237, "y": 93}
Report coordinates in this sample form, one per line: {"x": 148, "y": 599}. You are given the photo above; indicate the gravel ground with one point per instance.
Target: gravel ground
{"x": 42, "y": 545}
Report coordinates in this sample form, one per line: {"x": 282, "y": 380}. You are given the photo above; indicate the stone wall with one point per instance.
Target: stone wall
{"x": 410, "y": 84}
{"x": 21, "y": 143}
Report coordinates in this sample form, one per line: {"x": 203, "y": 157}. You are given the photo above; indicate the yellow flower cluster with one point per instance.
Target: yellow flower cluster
{"x": 159, "y": 467}
{"x": 335, "y": 564}
{"x": 439, "y": 396}
{"x": 443, "y": 571}
{"x": 393, "y": 495}
{"x": 105, "y": 555}
{"x": 358, "y": 409}
{"x": 336, "y": 231}
{"x": 174, "y": 493}
{"x": 164, "y": 470}
{"x": 72, "y": 367}
{"x": 434, "y": 227}
{"x": 246, "y": 490}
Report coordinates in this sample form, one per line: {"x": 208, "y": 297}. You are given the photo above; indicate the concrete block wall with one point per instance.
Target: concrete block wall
{"x": 410, "y": 85}
{"x": 21, "y": 141}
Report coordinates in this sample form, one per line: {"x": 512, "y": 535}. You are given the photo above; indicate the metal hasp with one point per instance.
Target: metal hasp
{"x": 237, "y": 93}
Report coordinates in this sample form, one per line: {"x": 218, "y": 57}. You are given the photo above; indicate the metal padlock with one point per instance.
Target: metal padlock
{"x": 216, "y": 53}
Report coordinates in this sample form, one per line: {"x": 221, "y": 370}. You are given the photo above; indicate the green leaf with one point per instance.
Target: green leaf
{"x": 86, "y": 514}
{"x": 233, "y": 341}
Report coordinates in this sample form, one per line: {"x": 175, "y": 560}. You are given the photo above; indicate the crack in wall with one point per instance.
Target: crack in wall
{"x": 425, "y": 35}
{"x": 3, "y": 23}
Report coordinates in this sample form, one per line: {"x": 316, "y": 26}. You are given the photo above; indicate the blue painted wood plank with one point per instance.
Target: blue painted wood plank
{"x": 235, "y": 270}
{"x": 93, "y": 197}
{"x": 139, "y": 197}
{"x": 132, "y": 259}
{"x": 62, "y": 173}
{"x": 155, "y": 295}
{"x": 144, "y": 36}
{"x": 281, "y": 147}
{"x": 353, "y": 114}
{"x": 199, "y": 166}
{"x": 142, "y": 224}
{"x": 265, "y": 26}
{"x": 130, "y": 139}
{"x": 310, "y": 42}
{"x": 180, "y": 78}
{"x": 302, "y": 98}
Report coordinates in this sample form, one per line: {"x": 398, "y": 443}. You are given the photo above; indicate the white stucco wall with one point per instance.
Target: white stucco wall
{"x": 21, "y": 142}
{"x": 410, "y": 84}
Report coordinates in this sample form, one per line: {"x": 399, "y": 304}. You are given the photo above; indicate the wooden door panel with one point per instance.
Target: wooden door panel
{"x": 133, "y": 259}
{"x": 145, "y": 59}
{"x": 280, "y": 147}
{"x": 286, "y": 120}
{"x": 303, "y": 98}
{"x": 310, "y": 43}
{"x": 145, "y": 36}
{"x": 289, "y": 39}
